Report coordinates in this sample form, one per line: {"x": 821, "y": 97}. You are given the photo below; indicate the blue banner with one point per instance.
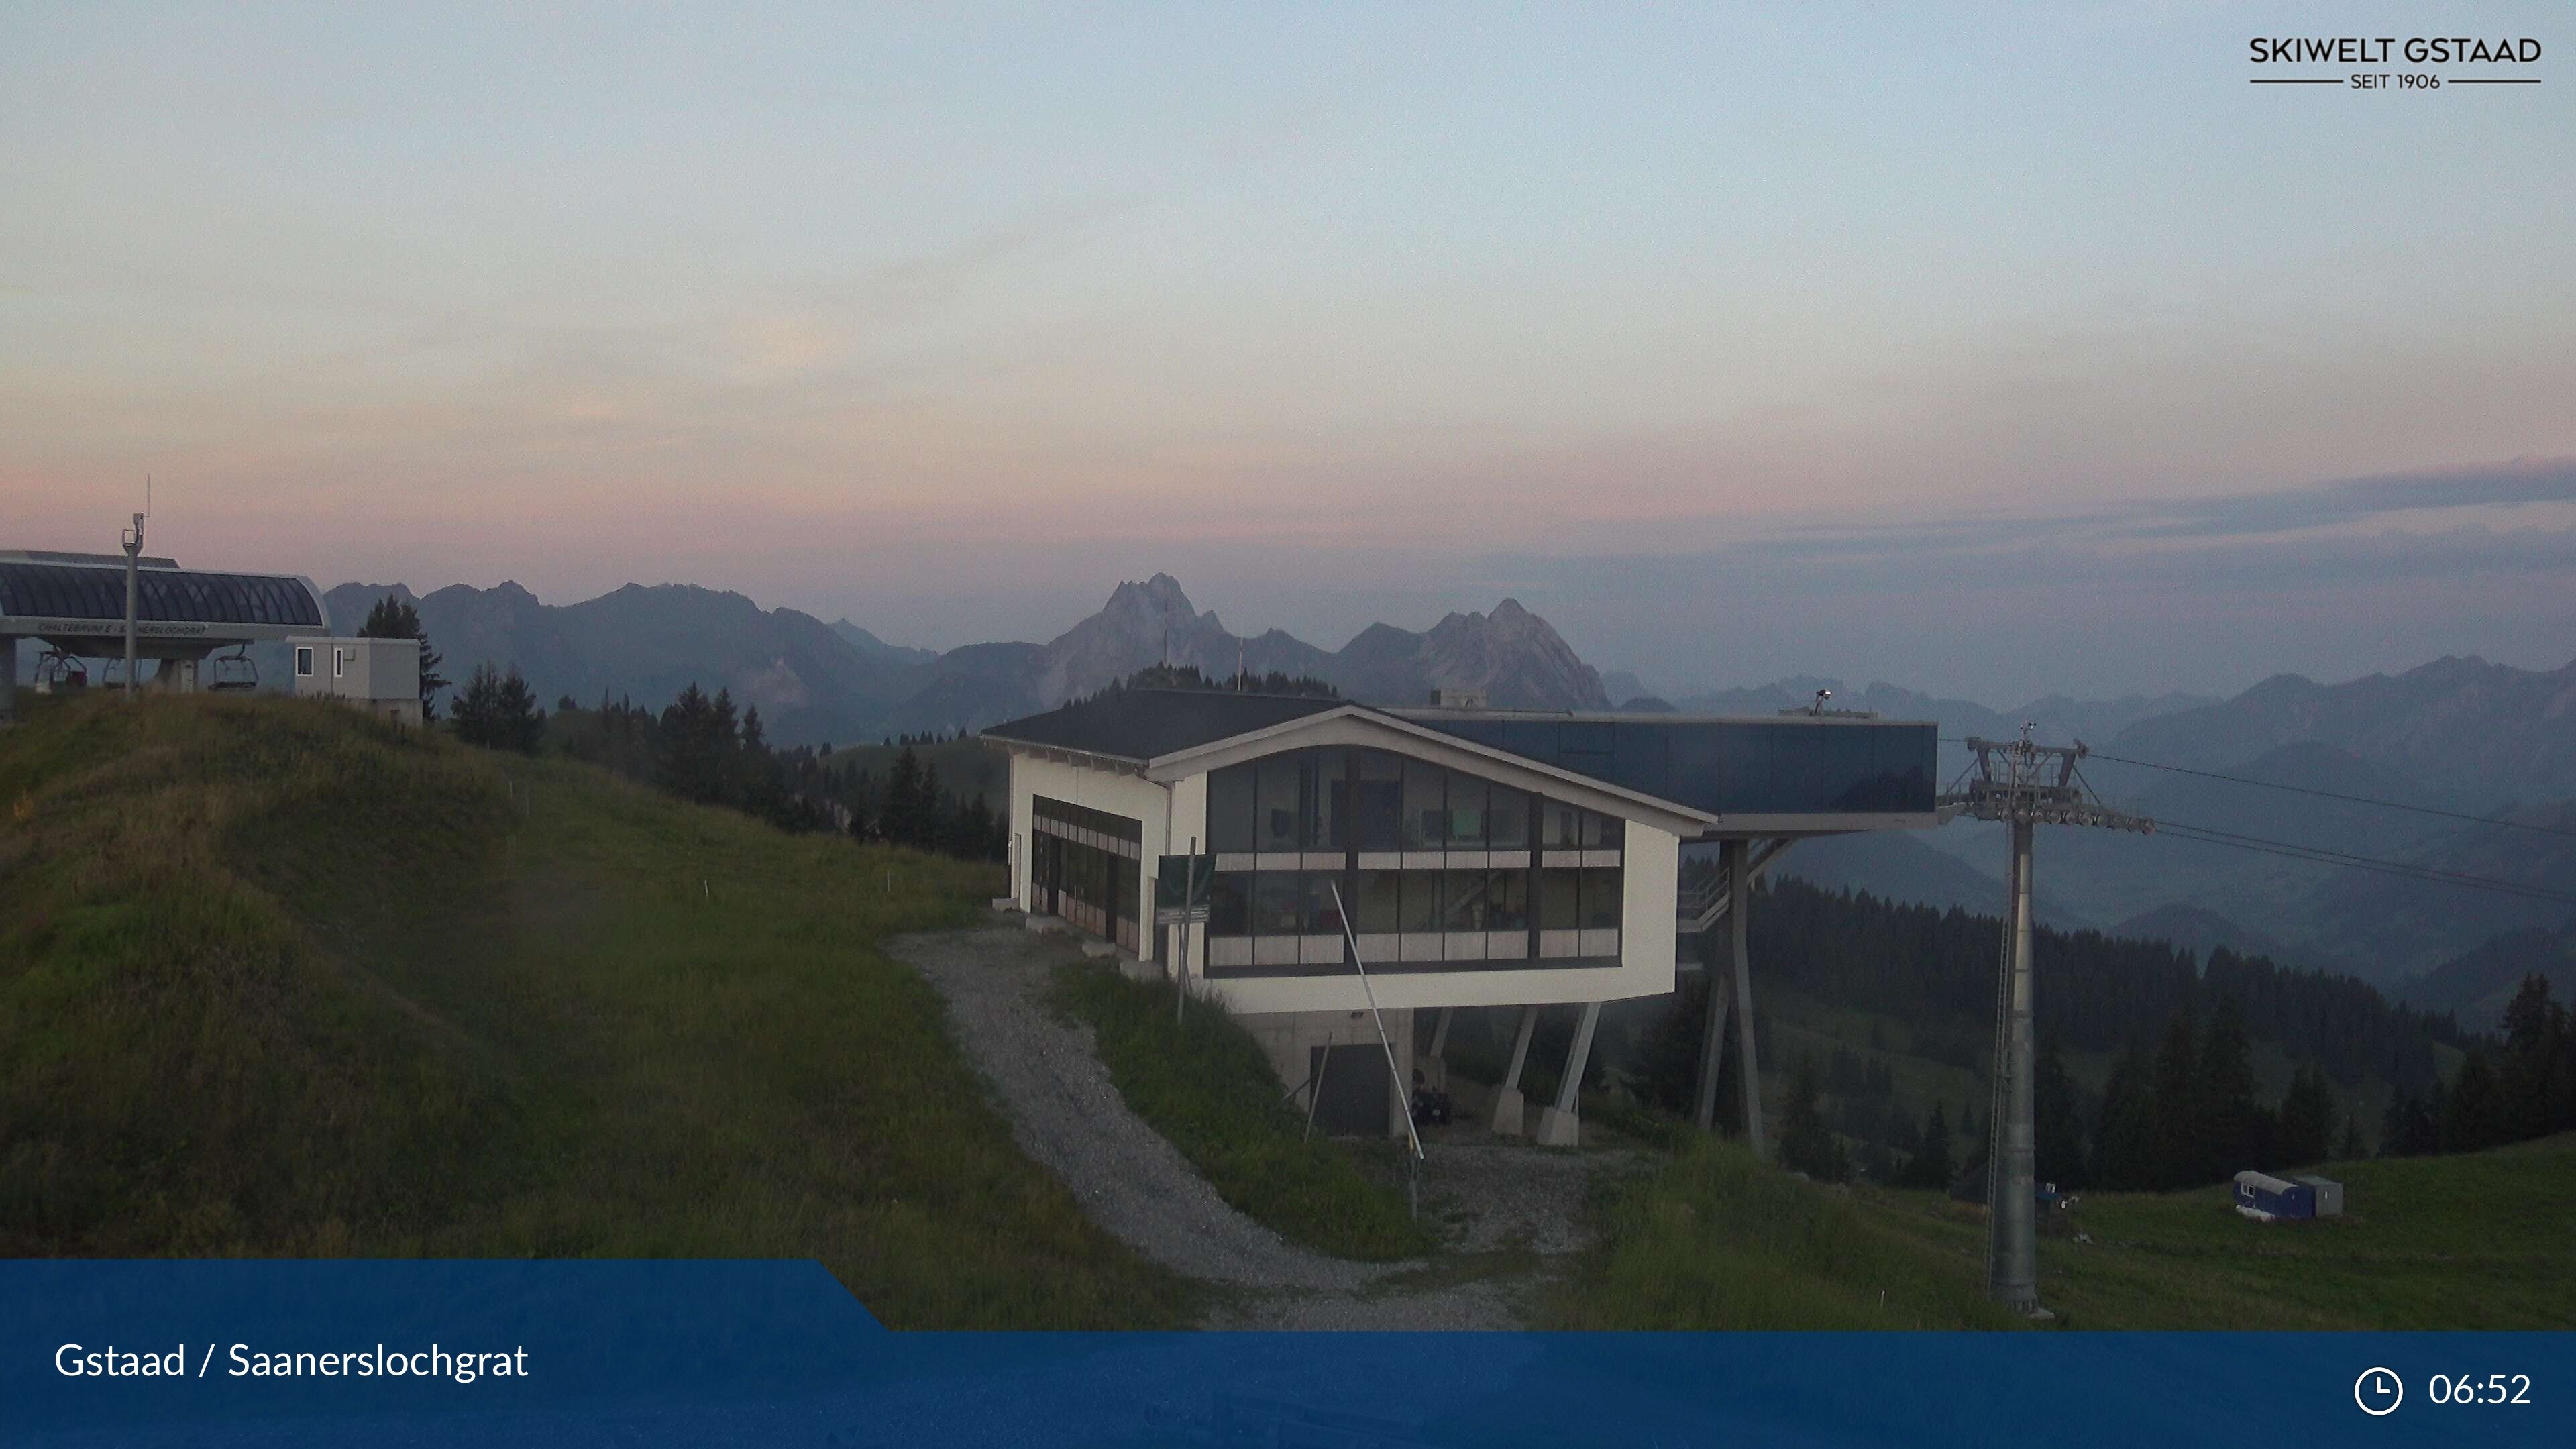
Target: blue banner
{"x": 502, "y": 1353}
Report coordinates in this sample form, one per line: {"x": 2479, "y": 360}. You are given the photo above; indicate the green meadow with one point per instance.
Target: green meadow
{"x": 278, "y": 980}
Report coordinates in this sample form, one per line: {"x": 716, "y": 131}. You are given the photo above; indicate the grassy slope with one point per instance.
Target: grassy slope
{"x": 1717, "y": 1240}
{"x": 278, "y": 980}
{"x": 1206, "y": 1086}
{"x": 2474, "y": 1241}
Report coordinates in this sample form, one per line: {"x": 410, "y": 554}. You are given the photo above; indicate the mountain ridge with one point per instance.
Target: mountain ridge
{"x": 814, "y": 681}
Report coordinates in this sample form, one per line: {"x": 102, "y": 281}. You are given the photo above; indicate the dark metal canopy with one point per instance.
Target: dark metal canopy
{"x": 33, "y": 593}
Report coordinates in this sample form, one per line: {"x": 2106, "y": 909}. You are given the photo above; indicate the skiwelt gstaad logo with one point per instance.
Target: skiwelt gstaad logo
{"x": 2395, "y": 62}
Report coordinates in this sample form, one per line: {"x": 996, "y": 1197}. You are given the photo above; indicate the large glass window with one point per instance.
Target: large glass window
{"x": 1320, "y": 917}
{"x": 1422, "y": 901}
{"x": 1341, "y": 802}
{"x": 1601, "y": 897}
{"x": 1378, "y": 815}
{"x": 1560, "y": 899}
{"x": 1276, "y": 822}
{"x": 1466, "y": 890}
{"x": 1467, "y": 795}
{"x": 1229, "y": 906}
{"x": 1230, "y": 795}
{"x": 1278, "y": 906}
{"x": 1560, "y": 826}
{"x": 1426, "y": 806}
{"x": 1331, "y": 794}
{"x": 1380, "y": 907}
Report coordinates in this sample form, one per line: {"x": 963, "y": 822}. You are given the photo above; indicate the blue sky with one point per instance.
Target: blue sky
{"x": 1739, "y": 343}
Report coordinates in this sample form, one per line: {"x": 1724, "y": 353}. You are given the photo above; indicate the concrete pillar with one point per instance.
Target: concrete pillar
{"x": 1507, "y": 1099}
{"x": 1739, "y": 895}
{"x": 1712, "y": 1037}
{"x": 1562, "y": 1124}
{"x": 1435, "y": 1067}
{"x": 8, "y": 677}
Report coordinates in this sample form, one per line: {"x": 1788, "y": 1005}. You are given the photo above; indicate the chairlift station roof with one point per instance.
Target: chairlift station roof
{"x": 76, "y": 603}
{"x": 1794, "y": 773}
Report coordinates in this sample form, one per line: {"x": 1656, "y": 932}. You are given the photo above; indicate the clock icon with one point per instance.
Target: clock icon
{"x": 2378, "y": 1391}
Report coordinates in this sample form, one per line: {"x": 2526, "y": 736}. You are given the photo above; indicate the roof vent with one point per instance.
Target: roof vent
{"x": 1457, "y": 699}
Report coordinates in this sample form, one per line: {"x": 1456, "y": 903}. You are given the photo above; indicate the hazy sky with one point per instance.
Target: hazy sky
{"x": 1988, "y": 349}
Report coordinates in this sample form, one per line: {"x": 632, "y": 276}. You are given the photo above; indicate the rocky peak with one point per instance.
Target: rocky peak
{"x": 1159, "y": 597}
{"x": 1142, "y": 624}
{"x": 1514, "y": 657}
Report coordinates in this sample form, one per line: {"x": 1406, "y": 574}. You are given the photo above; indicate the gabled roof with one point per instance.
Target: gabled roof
{"x": 1775, "y": 774}
{"x": 1146, "y": 724}
{"x": 1186, "y": 731}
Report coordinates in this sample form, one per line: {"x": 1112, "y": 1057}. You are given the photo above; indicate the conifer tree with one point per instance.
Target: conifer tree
{"x": 2128, "y": 1141}
{"x": 2307, "y": 1120}
{"x": 2233, "y": 1131}
{"x": 2476, "y": 1117}
{"x": 2058, "y": 1135}
{"x": 500, "y": 712}
{"x": 1806, "y": 1144}
{"x": 1932, "y": 1165}
{"x": 2181, "y": 1153}
{"x": 395, "y": 618}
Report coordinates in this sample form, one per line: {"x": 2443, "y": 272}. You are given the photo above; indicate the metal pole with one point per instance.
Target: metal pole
{"x": 133, "y": 562}
{"x": 1738, "y": 892}
{"x": 1181, "y": 961}
{"x": 1315, "y": 1087}
{"x": 1394, "y": 1074}
{"x": 2013, "y": 1273}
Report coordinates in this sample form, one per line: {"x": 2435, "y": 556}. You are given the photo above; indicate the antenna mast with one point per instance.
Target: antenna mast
{"x": 133, "y": 558}
{"x": 2021, "y": 784}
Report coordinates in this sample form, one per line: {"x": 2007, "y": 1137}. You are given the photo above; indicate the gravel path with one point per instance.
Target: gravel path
{"x": 1066, "y": 1113}
{"x": 1513, "y": 1208}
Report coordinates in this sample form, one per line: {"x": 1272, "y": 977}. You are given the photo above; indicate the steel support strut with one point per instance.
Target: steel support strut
{"x": 1739, "y": 887}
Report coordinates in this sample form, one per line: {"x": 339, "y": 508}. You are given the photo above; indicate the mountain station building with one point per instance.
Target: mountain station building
{"x": 1462, "y": 856}
{"x": 70, "y": 607}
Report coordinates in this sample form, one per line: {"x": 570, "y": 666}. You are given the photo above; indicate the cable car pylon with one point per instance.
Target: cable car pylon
{"x": 2021, "y": 784}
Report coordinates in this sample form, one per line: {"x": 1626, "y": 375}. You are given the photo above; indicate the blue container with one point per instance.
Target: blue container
{"x": 2260, "y": 1192}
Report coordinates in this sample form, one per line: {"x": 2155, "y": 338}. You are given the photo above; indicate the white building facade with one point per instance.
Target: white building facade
{"x": 380, "y": 676}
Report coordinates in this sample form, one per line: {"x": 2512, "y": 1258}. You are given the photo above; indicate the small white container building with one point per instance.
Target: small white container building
{"x": 2329, "y": 1195}
{"x": 380, "y": 676}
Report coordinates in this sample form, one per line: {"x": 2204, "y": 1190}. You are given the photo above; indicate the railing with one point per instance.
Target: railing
{"x": 1703, "y": 899}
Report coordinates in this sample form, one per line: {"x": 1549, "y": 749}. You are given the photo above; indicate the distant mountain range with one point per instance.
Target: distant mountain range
{"x": 814, "y": 681}
{"x": 2479, "y": 985}
{"x": 2460, "y": 735}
